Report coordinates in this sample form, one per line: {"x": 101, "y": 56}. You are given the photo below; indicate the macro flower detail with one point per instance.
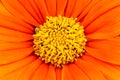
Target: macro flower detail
{"x": 59, "y": 39}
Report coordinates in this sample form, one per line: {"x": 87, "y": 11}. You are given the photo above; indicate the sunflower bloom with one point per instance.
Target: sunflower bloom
{"x": 59, "y": 39}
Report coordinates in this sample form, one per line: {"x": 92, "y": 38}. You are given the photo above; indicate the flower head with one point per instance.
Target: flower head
{"x": 59, "y": 39}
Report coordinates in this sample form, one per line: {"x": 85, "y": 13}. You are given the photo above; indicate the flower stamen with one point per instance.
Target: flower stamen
{"x": 60, "y": 40}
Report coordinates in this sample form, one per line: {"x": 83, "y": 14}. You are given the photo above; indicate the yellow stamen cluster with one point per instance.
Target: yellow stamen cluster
{"x": 60, "y": 40}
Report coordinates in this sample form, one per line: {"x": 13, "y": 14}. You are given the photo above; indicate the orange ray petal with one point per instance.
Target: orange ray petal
{"x": 10, "y": 32}
{"x": 105, "y": 32}
{"x": 11, "y": 46}
{"x": 15, "y": 39}
{"x": 61, "y": 5}
{"x": 101, "y": 23}
{"x": 28, "y": 5}
{"x": 69, "y": 7}
{"x": 51, "y": 75}
{"x": 40, "y": 73}
{"x": 42, "y": 7}
{"x": 9, "y": 68}
{"x": 110, "y": 72}
{"x": 27, "y": 72}
{"x": 16, "y": 74}
{"x": 9, "y": 56}
{"x": 116, "y": 67}
{"x": 105, "y": 50}
{"x": 77, "y": 73}
{"x": 10, "y": 35}
{"x": 79, "y": 6}
{"x": 66, "y": 75}
{"x": 51, "y": 7}
{"x": 90, "y": 70}
{"x": 16, "y": 9}
{"x": 87, "y": 9}
{"x": 13, "y": 23}
{"x": 3, "y": 10}
{"x": 101, "y": 8}
{"x": 36, "y": 9}
{"x": 103, "y": 27}
{"x": 58, "y": 73}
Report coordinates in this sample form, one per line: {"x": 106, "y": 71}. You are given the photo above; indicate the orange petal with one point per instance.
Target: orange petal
{"x": 51, "y": 7}
{"x": 9, "y": 56}
{"x": 103, "y": 27}
{"x": 22, "y": 71}
{"x": 102, "y": 22}
{"x": 100, "y": 9}
{"x": 51, "y": 75}
{"x": 69, "y": 7}
{"x": 10, "y": 35}
{"x": 116, "y": 67}
{"x": 3, "y": 10}
{"x": 58, "y": 73}
{"x": 79, "y": 6}
{"x": 36, "y": 9}
{"x": 77, "y": 73}
{"x": 27, "y": 71}
{"x": 14, "y": 39}
{"x": 110, "y": 72}
{"x": 90, "y": 70}
{"x": 87, "y": 9}
{"x": 105, "y": 50}
{"x": 9, "y": 68}
{"x": 61, "y": 5}
{"x": 40, "y": 73}
{"x": 66, "y": 75}
{"x": 14, "y": 23}
{"x": 11, "y": 46}
{"x": 30, "y": 6}
{"x": 10, "y": 32}
{"x": 16, "y": 9}
{"x": 42, "y": 7}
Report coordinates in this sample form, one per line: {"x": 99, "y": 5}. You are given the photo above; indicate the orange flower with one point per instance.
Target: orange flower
{"x": 101, "y": 21}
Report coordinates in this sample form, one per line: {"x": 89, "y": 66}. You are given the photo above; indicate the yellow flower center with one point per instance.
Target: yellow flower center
{"x": 60, "y": 40}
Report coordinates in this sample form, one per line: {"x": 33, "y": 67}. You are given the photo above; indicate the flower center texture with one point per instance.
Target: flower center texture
{"x": 60, "y": 40}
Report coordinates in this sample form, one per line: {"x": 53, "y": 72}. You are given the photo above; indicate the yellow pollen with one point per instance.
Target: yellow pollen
{"x": 60, "y": 40}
